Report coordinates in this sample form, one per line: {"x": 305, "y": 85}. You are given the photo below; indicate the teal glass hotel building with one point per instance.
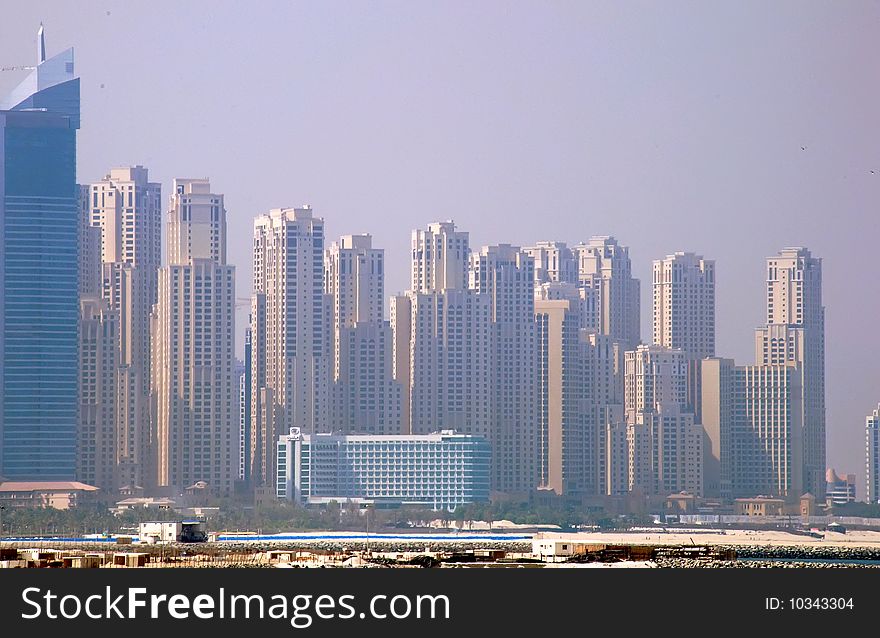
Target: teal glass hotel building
{"x": 39, "y": 306}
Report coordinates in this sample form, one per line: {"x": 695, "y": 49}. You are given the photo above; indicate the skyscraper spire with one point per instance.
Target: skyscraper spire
{"x": 41, "y": 45}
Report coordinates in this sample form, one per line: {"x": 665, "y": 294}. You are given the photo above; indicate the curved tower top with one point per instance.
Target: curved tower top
{"x": 51, "y": 86}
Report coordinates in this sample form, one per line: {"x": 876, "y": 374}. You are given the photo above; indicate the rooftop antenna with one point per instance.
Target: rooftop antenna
{"x": 41, "y": 45}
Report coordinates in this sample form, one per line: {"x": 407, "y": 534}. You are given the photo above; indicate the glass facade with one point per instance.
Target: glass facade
{"x": 440, "y": 471}
{"x": 39, "y": 305}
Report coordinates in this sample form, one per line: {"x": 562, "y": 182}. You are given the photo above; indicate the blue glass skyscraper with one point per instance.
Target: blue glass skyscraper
{"x": 39, "y": 306}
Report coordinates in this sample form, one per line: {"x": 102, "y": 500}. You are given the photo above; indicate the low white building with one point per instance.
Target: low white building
{"x": 159, "y": 531}
{"x": 552, "y": 547}
{"x": 441, "y": 470}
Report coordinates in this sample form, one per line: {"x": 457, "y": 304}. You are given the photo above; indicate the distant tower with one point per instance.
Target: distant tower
{"x": 665, "y": 446}
{"x": 125, "y": 209}
{"x": 39, "y": 272}
{"x": 795, "y": 335}
{"x": 441, "y": 338}
{"x": 197, "y": 428}
{"x": 440, "y": 257}
{"x": 564, "y": 393}
{"x": 684, "y": 313}
{"x": 872, "y": 465}
{"x": 99, "y": 367}
{"x": 505, "y": 274}
{"x": 366, "y": 398}
{"x": 604, "y": 265}
{"x": 554, "y": 262}
{"x": 754, "y": 429}
{"x": 290, "y": 372}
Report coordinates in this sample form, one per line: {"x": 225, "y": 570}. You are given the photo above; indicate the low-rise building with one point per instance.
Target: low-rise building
{"x": 440, "y": 471}
{"x": 171, "y": 531}
{"x": 839, "y": 490}
{"x": 808, "y": 505}
{"x": 142, "y": 502}
{"x": 60, "y": 495}
{"x": 683, "y": 502}
{"x": 552, "y": 547}
{"x": 759, "y": 506}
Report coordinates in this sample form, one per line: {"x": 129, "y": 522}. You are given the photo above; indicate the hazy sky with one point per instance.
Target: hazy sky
{"x": 728, "y": 129}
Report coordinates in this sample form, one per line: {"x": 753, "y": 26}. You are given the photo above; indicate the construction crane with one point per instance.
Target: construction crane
{"x": 242, "y": 301}
{"x": 17, "y": 68}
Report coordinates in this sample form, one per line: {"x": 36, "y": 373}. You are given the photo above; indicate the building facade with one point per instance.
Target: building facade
{"x": 289, "y": 358}
{"x": 440, "y": 471}
{"x": 450, "y": 355}
{"x": 653, "y": 375}
{"x": 684, "y": 313}
{"x": 505, "y": 275}
{"x": 794, "y": 335}
{"x": 554, "y": 262}
{"x": 194, "y": 385}
{"x": 365, "y": 397}
{"x": 604, "y": 266}
{"x": 665, "y": 445}
{"x": 684, "y": 304}
{"x": 839, "y": 490}
{"x": 125, "y": 210}
{"x": 442, "y": 346}
{"x": 98, "y": 385}
{"x": 440, "y": 256}
{"x": 872, "y": 454}
{"x": 753, "y": 422}
{"x": 566, "y": 427}
{"x": 665, "y": 451}
{"x": 39, "y": 272}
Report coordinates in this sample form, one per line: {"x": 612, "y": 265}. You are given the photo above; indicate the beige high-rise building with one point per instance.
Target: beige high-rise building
{"x": 365, "y": 397}
{"x": 586, "y": 299}
{"x": 795, "y": 335}
{"x": 665, "y": 446}
{"x": 665, "y": 451}
{"x": 580, "y": 378}
{"x": 442, "y": 346}
{"x": 126, "y": 208}
{"x": 289, "y": 342}
{"x": 684, "y": 304}
{"x": 450, "y": 357}
{"x": 604, "y": 266}
{"x": 505, "y": 274}
{"x": 354, "y": 275}
{"x": 654, "y": 375}
{"x": 89, "y": 247}
{"x": 99, "y": 364}
{"x": 566, "y": 411}
{"x": 684, "y": 313}
{"x": 753, "y": 419}
{"x": 554, "y": 262}
{"x": 612, "y": 459}
{"x": 440, "y": 257}
{"x": 195, "y": 389}
{"x": 401, "y": 354}
{"x": 720, "y": 406}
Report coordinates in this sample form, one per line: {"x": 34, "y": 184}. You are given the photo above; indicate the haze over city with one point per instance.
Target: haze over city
{"x": 730, "y": 131}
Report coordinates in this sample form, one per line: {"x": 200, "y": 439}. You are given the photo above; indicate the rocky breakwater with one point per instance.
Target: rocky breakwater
{"x": 786, "y": 557}
{"x": 814, "y": 552}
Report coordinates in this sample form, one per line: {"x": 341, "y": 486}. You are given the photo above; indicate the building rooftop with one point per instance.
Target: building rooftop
{"x": 45, "y": 486}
